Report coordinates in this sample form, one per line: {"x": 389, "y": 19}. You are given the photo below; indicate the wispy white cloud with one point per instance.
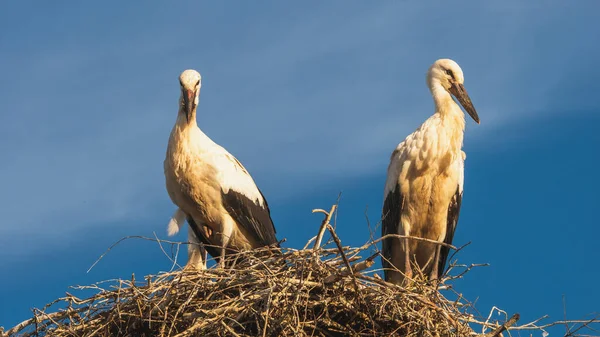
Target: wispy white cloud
{"x": 302, "y": 93}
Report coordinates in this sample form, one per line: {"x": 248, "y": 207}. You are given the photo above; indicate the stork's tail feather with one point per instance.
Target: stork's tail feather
{"x": 176, "y": 222}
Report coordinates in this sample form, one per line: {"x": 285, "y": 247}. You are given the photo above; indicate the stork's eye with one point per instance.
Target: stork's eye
{"x": 450, "y": 73}
{"x": 198, "y": 83}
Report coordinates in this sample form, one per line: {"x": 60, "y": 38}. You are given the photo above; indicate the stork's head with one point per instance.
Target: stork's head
{"x": 190, "y": 82}
{"x": 447, "y": 74}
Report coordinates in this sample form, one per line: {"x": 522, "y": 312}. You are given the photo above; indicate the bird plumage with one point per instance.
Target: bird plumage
{"x": 176, "y": 222}
{"x": 223, "y": 205}
{"x": 423, "y": 191}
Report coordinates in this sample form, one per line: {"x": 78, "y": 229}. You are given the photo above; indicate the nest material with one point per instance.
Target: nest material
{"x": 308, "y": 292}
{"x": 296, "y": 293}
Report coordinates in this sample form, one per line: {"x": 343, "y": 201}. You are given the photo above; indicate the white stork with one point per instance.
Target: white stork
{"x": 424, "y": 186}
{"x": 213, "y": 191}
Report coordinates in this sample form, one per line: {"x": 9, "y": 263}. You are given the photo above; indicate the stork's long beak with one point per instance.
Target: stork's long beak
{"x": 459, "y": 91}
{"x": 189, "y": 103}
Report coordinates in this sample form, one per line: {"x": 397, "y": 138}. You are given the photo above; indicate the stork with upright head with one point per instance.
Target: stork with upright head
{"x": 424, "y": 186}
{"x": 213, "y": 191}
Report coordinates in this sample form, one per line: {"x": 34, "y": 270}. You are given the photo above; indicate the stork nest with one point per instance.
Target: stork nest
{"x": 307, "y": 292}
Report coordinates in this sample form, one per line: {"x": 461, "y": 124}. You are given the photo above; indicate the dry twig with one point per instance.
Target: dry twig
{"x": 309, "y": 292}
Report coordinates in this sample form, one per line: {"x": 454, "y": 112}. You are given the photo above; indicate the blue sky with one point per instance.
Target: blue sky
{"x": 312, "y": 97}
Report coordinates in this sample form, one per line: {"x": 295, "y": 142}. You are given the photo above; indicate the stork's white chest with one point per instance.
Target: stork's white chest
{"x": 183, "y": 155}
{"x": 189, "y": 174}
{"x": 427, "y": 167}
{"x": 434, "y": 146}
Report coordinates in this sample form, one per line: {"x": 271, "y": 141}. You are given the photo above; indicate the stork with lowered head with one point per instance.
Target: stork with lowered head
{"x": 224, "y": 208}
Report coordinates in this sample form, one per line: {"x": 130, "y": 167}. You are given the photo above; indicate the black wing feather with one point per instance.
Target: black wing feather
{"x": 453, "y": 213}
{"x": 392, "y": 208}
{"x": 256, "y": 219}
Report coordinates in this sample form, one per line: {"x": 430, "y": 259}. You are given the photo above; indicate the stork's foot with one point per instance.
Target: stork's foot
{"x": 222, "y": 263}
{"x": 196, "y": 259}
{"x": 191, "y": 267}
{"x": 222, "y": 259}
{"x": 408, "y": 275}
{"x": 435, "y": 270}
{"x": 195, "y": 266}
{"x": 436, "y": 275}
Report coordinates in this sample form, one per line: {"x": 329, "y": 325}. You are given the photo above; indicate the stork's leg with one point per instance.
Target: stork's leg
{"x": 196, "y": 253}
{"x": 204, "y": 257}
{"x": 222, "y": 259}
{"x": 436, "y": 262}
{"x": 224, "y": 238}
{"x": 222, "y": 244}
{"x": 408, "y": 274}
